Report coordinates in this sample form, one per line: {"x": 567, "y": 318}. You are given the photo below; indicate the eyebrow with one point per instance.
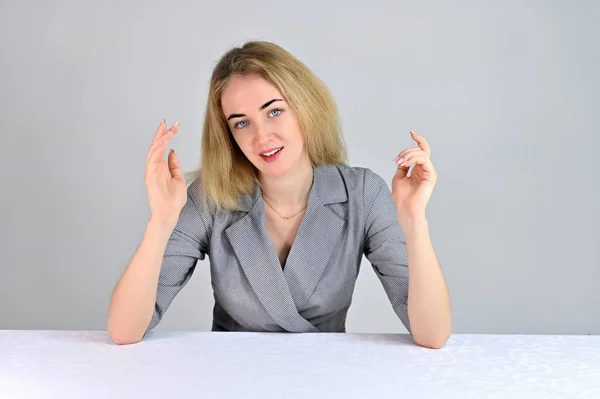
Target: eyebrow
{"x": 265, "y": 105}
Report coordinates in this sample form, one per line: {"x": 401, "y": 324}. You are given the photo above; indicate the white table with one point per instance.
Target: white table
{"x": 86, "y": 364}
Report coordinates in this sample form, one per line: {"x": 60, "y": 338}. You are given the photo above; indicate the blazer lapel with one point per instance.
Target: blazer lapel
{"x": 257, "y": 257}
{"x": 317, "y": 236}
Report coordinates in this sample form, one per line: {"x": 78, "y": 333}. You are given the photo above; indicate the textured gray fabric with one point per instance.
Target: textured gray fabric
{"x": 350, "y": 213}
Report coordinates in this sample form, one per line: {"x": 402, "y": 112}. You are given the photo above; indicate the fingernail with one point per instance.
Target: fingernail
{"x": 399, "y": 161}
{"x": 163, "y": 121}
{"x": 176, "y": 123}
{"x": 395, "y": 159}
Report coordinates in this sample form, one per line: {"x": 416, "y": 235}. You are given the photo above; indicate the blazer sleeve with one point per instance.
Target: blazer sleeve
{"x": 188, "y": 243}
{"x": 385, "y": 245}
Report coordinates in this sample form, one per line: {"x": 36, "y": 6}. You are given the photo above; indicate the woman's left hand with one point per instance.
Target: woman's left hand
{"x": 412, "y": 193}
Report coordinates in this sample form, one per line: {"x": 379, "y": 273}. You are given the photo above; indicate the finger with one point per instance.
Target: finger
{"x": 401, "y": 172}
{"x": 161, "y": 129}
{"x": 422, "y": 160}
{"x": 158, "y": 148}
{"x": 157, "y": 145}
{"x": 156, "y": 154}
{"x": 418, "y": 159}
{"x": 417, "y": 152}
{"x": 174, "y": 165}
{"x": 405, "y": 153}
{"x": 162, "y": 133}
{"x": 423, "y": 144}
{"x": 161, "y": 142}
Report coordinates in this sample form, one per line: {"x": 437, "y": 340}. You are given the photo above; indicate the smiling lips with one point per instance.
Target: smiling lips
{"x": 272, "y": 154}
{"x": 270, "y": 151}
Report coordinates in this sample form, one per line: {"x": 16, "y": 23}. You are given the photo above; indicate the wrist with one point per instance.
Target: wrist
{"x": 160, "y": 227}
{"x": 408, "y": 220}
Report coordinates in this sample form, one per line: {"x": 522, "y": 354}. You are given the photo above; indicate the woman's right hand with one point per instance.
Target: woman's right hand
{"x": 165, "y": 183}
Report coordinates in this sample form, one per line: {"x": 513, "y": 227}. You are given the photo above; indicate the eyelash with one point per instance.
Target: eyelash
{"x": 236, "y": 125}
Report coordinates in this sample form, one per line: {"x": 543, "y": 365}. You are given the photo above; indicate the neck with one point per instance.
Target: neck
{"x": 290, "y": 191}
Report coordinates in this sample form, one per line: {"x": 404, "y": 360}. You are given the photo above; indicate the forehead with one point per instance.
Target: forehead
{"x": 247, "y": 93}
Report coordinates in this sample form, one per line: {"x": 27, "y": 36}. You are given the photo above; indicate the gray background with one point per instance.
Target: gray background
{"x": 506, "y": 93}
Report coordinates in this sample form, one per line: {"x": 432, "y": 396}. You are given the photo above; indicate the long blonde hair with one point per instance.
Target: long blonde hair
{"x": 225, "y": 173}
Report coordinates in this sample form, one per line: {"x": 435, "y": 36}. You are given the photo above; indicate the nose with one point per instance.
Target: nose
{"x": 262, "y": 133}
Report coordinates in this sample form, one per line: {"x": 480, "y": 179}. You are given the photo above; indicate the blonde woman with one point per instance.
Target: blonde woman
{"x": 282, "y": 217}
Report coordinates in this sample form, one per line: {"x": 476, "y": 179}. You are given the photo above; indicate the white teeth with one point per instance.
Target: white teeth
{"x": 267, "y": 154}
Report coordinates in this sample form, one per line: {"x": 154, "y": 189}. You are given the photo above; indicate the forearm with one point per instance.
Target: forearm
{"x": 133, "y": 298}
{"x": 428, "y": 299}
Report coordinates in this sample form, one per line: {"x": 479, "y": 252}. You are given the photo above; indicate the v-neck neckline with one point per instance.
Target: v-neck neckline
{"x": 263, "y": 214}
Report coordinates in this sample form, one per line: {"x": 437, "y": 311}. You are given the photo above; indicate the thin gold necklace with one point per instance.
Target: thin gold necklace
{"x": 288, "y": 217}
{"x": 284, "y": 217}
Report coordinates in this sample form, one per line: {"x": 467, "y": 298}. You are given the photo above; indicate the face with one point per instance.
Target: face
{"x": 263, "y": 125}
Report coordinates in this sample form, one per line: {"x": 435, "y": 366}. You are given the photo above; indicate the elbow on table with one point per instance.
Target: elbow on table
{"x": 124, "y": 339}
{"x": 120, "y": 337}
{"x": 432, "y": 341}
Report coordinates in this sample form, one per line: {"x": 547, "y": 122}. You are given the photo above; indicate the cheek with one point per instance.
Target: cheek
{"x": 279, "y": 124}
{"x": 288, "y": 127}
{"x": 243, "y": 142}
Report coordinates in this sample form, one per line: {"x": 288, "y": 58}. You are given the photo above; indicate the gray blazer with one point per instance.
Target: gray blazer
{"x": 350, "y": 213}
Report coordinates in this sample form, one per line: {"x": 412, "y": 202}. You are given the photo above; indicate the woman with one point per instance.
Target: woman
{"x": 285, "y": 221}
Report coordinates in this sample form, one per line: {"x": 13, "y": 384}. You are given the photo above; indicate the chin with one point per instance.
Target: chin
{"x": 273, "y": 171}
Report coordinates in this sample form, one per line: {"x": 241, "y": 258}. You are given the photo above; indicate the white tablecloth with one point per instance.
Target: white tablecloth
{"x": 86, "y": 364}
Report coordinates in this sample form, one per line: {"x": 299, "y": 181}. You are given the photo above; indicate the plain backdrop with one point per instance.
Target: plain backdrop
{"x": 507, "y": 93}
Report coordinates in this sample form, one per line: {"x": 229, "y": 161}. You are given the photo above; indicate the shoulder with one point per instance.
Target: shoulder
{"x": 359, "y": 187}
{"x": 367, "y": 188}
{"x": 197, "y": 200}
{"x": 360, "y": 178}
{"x": 195, "y": 192}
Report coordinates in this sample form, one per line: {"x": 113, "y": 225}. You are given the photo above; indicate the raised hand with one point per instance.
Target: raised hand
{"x": 412, "y": 193}
{"x": 165, "y": 183}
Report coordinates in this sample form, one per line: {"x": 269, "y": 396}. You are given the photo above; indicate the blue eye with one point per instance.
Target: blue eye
{"x": 237, "y": 124}
{"x": 273, "y": 112}
{"x": 279, "y": 110}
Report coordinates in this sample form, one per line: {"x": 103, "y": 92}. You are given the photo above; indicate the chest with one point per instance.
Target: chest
{"x": 264, "y": 269}
{"x": 282, "y": 234}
